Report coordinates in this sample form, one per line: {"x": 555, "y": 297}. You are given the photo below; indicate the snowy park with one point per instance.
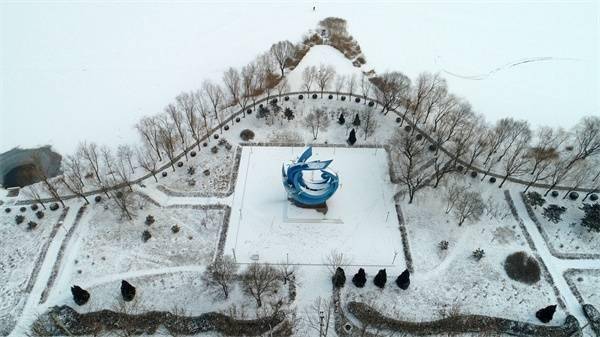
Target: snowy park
{"x": 325, "y": 184}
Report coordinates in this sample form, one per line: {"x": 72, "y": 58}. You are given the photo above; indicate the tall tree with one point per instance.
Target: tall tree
{"x": 324, "y": 76}
{"x": 40, "y": 172}
{"x": 178, "y": 120}
{"x": 260, "y": 280}
{"x": 316, "y": 121}
{"x": 410, "y": 158}
{"x": 91, "y": 154}
{"x": 146, "y": 159}
{"x": 392, "y": 90}
{"x": 282, "y": 53}
{"x": 308, "y": 77}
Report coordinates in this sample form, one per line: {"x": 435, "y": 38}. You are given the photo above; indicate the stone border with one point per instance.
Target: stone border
{"x": 553, "y": 251}
{"x": 232, "y": 179}
{"x": 405, "y": 242}
{"x": 571, "y": 273}
{"x": 544, "y": 268}
{"x": 462, "y": 324}
{"x": 64, "y": 320}
{"x": 61, "y": 253}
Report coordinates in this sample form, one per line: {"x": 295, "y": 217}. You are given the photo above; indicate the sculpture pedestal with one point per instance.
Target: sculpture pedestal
{"x": 321, "y": 208}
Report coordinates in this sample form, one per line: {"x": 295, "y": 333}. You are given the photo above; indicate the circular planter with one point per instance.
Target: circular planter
{"x": 357, "y": 100}
{"x": 554, "y": 194}
{"x": 249, "y": 111}
{"x": 180, "y": 164}
{"x": 371, "y": 104}
{"x": 300, "y": 96}
{"x": 193, "y": 153}
{"x": 237, "y": 119}
{"x": 216, "y": 136}
{"x": 573, "y": 195}
{"x": 97, "y": 198}
{"x": 473, "y": 174}
{"x": 286, "y": 98}
{"x": 407, "y": 128}
{"x": 164, "y": 174}
{"x": 492, "y": 180}
{"x": 398, "y": 119}
{"x": 330, "y": 96}
{"x": 226, "y": 127}
{"x": 314, "y": 96}
{"x": 205, "y": 144}
{"x": 343, "y": 98}
{"x": 593, "y": 197}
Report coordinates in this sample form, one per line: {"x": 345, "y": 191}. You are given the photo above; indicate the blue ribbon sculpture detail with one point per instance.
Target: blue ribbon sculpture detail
{"x": 309, "y": 192}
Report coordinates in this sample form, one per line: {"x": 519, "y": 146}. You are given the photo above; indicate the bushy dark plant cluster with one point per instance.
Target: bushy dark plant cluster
{"x": 522, "y": 267}
{"x": 553, "y": 213}
{"x": 534, "y": 199}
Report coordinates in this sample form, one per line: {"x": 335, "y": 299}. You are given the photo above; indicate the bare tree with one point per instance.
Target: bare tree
{"x": 542, "y": 166}
{"x": 148, "y": 129}
{"x": 260, "y": 280}
{"x": 147, "y": 160}
{"x": 441, "y": 167}
{"x": 580, "y": 173}
{"x": 125, "y": 152}
{"x": 453, "y": 192}
{"x": 221, "y": 274}
{"x": 123, "y": 172}
{"x": 316, "y": 120}
{"x": 287, "y": 271}
{"x": 123, "y": 199}
{"x": 516, "y": 160}
{"x": 267, "y": 79}
{"x": 188, "y": 103}
{"x": 558, "y": 171}
{"x": 334, "y": 260}
{"x": 108, "y": 160}
{"x": 233, "y": 84}
{"x": 547, "y": 144}
{"x": 204, "y": 110}
{"x": 478, "y": 146}
{"x": 168, "y": 141}
{"x": 324, "y": 76}
{"x": 340, "y": 82}
{"x": 248, "y": 77}
{"x": 214, "y": 94}
{"x": 501, "y": 134}
{"x": 365, "y": 87}
{"x": 469, "y": 206}
{"x": 587, "y": 138}
{"x": 410, "y": 158}
{"x": 91, "y": 153}
{"x": 34, "y": 193}
{"x": 282, "y": 87}
{"x": 74, "y": 174}
{"x": 319, "y": 316}
{"x": 282, "y": 52}
{"x": 351, "y": 84}
{"x": 392, "y": 90}
{"x": 444, "y": 107}
{"x": 41, "y": 174}
{"x": 177, "y": 120}
{"x": 308, "y": 77}
{"x": 368, "y": 121}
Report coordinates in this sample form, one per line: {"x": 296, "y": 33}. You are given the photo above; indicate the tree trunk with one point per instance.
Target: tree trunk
{"x": 84, "y": 198}
{"x": 154, "y": 175}
{"x": 503, "y": 180}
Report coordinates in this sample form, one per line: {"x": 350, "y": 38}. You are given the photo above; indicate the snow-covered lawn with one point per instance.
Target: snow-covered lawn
{"x": 568, "y": 236}
{"x": 587, "y": 283}
{"x": 453, "y": 278}
{"x": 107, "y": 245}
{"x": 19, "y": 251}
{"x": 361, "y": 220}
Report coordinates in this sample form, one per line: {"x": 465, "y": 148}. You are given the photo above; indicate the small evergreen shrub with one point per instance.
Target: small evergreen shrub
{"x": 473, "y": 174}
{"x": 554, "y": 194}
{"x": 274, "y": 101}
{"x": 360, "y": 278}
{"x": 546, "y": 314}
{"x": 7, "y": 210}
{"x": 206, "y": 172}
{"x": 286, "y": 98}
{"x": 419, "y": 137}
{"x": 534, "y": 199}
{"x": 205, "y": 144}
{"x": 343, "y": 98}
{"x": 247, "y": 135}
{"x": 39, "y": 214}
{"x": 330, "y": 96}
{"x": 249, "y": 111}
{"x": 54, "y": 207}
{"x": 357, "y": 100}
{"x": 371, "y": 104}
{"x": 80, "y": 295}
{"x": 459, "y": 168}
{"x": 403, "y": 280}
{"x": 492, "y": 180}
{"x": 314, "y": 96}
{"x": 591, "y": 219}
{"x": 226, "y": 127}
{"x": 31, "y": 225}
{"x": 478, "y": 254}
{"x": 553, "y": 213}
{"x": 237, "y": 119}
{"x": 19, "y": 219}
{"x": 521, "y": 267}
{"x": 573, "y": 195}
{"x": 443, "y": 245}
{"x": 180, "y": 164}
{"x": 149, "y": 220}
{"x": 398, "y": 119}
{"x": 407, "y": 128}
{"x": 175, "y": 229}
{"x": 119, "y": 194}
{"x": 593, "y": 197}
{"x": 300, "y": 96}
{"x": 98, "y": 198}
{"x": 339, "y": 278}
{"x": 146, "y": 236}
{"x": 127, "y": 291}
{"x": 34, "y": 207}
{"x": 191, "y": 170}
{"x": 193, "y": 154}
{"x": 214, "y": 149}
{"x": 164, "y": 173}
{"x": 380, "y": 279}
{"x": 216, "y": 136}
{"x": 23, "y": 209}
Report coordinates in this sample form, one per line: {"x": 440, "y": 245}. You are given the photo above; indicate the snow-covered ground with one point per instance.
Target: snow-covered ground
{"x": 63, "y": 66}
{"x": 360, "y": 221}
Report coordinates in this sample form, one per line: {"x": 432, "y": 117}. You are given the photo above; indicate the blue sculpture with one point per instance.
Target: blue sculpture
{"x": 309, "y": 192}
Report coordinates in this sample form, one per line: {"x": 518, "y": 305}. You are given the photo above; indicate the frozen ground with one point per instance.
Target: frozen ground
{"x": 93, "y": 81}
{"x": 360, "y": 222}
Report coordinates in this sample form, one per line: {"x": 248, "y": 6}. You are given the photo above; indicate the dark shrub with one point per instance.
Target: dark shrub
{"x": 314, "y": 96}
{"x": 591, "y": 219}
{"x": 80, "y": 296}
{"x": 34, "y": 207}
{"x": 249, "y": 111}
{"x": 286, "y": 98}
{"x": 247, "y": 135}
{"x": 473, "y": 174}
{"x": 534, "y": 199}
{"x": 371, "y": 103}
{"x": 343, "y": 98}
{"x": 127, "y": 291}
{"x": 98, "y": 198}
{"x": 260, "y": 106}
{"x": 419, "y": 137}
{"x": 330, "y": 96}
{"x": 274, "y": 101}
{"x": 237, "y": 119}
{"x": 593, "y": 197}
{"x": 216, "y": 136}
{"x": 164, "y": 173}
{"x": 554, "y": 194}
{"x": 492, "y": 180}
{"x": 119, "y": 194}
{"x": 553, "y": 213}
{"x": 521, "y": 267}
{"x": 357, "y": 100}
{"x": 193, "y": 153}
{"x": 359, "y": 279}
{"x": 175, "y": 228}
{"x": 403, "y": 280}
{"x": 180, "y": 164}
{"x": 19, "y": 219}
{"x": 226, "y": 127}
{"x": 191, "y": 170}
{"x": 39, "y": 214}
{"x": 339, "y": 278}
{"x": 569, "y": 148}
{"x": 31, "y": 225}
{"x": 352, "y": 137}
{"x": 205, "y": 144}
{"x": 407, "y": 128}
{"x": 478, "y": 254}
{"x": 573, "y": 195}
{"x": 545, "y": 315}
{"x": 300, "y": 96}
{"x": 398, "y": 119}
{"x": 7, "y": 210}
{"x": 380, "y": 278}
{"x": 206, "y": 172}
{"x": 214, "y": 149}
{"x": 443, "y": 245}
{"x": 146, "y": 236}
{"x": 23, "y": 209}
{"x": 54, "y": 207}
{"x": 149, "y": 220}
